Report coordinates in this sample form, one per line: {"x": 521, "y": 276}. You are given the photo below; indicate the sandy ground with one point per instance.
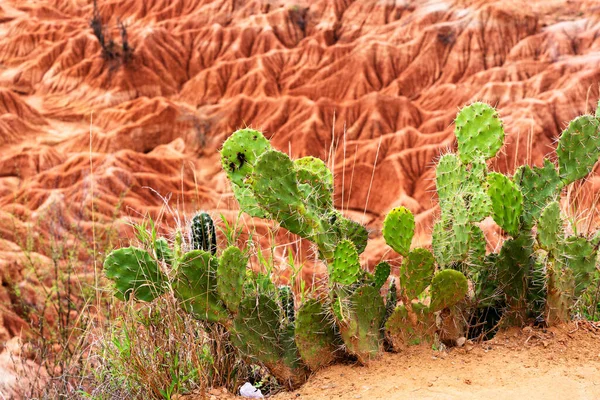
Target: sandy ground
{"x": 558, "y": 363}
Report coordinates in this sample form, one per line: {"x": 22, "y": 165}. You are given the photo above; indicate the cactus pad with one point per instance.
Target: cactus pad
{"x": 163, "y": 251}
{"x": 400, "y": 331}
{"x": 195, "y": 286}
{"x": 450, "y": 174}
{"x": 315, "y": 181}
{"x": 539, "y": 186}
{"x": 507, "y": 202}
{"x": 416, "y": 272}
{"x": 382, "y": 272}
{"x": 578, "y": 148}
{"x": 231, "y": 274}
{"x": 361, "y": 330}
{"x": 580, "y": 257}
{"x": 135, "y": 272}
{"x": 345, "y": 268}
{"x": 398, "y": 229}
{"x": 448, "y": 287}
{"x": 550, "y": 226}
{"x": 315, "y": 335}
{"x": 479, "y": 132}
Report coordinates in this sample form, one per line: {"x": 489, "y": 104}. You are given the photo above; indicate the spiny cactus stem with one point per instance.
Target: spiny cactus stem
{"x": 412, "y": 317}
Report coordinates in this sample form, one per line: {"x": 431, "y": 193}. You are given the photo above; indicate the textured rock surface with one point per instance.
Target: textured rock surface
{"x": 84, "y": 139}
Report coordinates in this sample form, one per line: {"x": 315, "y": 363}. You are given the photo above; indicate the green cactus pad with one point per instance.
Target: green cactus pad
{"x": 195, "y": 285}
{"x": 580, "y": 257}
{"x": 315, "y": 335}
{"x": 441, "y": 242}
{"x": 256, "y": 331}
{"x": 401, "y": 333}
{"x": 450, "y": 174}
{"x": 203, "y": 234}
{"x": 578, "y": 148}
{"x": 416, "y": 272}
{"x": 361, "y": 330}
{"x": 539, "y": 186}
{"x": 238, "y": 157}
{"x": 398, "y": 230}
{"x": 479, "y": 132}
{"x": 274, "y": 181}
{"x": 315, "y": 181}
{"x": 448, "y": 287}
{"x": 135, "y": 273}
{"x": 480, "y": 206}
{"x": 231, "y": 275}
{"x": 550, "y": 226}
{"x": 477, "y": 247}
{"x": 345, "y": 268}
{"x": 507, "y": 202}
{"x": 513, "y": 270}
{"x": 382, "y": 272}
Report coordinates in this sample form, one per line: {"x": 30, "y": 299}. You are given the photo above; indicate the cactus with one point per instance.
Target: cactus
{"x": 449, "y": 177}
{"x": 381, "y": 275}
{"x": 162, "y": 251}
{"x": 391, "y": 300}
{"x": 203, "y": 234}
{"x": 550, "y": 226}
{"x": 448, "y": 287}
{"x": 315, "y": 335}
{"x": 507, "y": 202}
{"x": 231, "y": 274}
{"x": 195, "y": 285}
{"x": 479, "y": 132}
{"x": 398, "y": 229}
{"x": 257, "y": 332}
{"x": 315, "y": 181}
{"x": 360, "y": 326}
{"x": 539, "y": 186}
{"x": 578, "y": 148}
{"x": 345, "y": 268}
{"x": 416, "y": 272}
{"x": 135, "y": 273}
{"x": 345, "y": 228}
{"x": 238, "y": 156}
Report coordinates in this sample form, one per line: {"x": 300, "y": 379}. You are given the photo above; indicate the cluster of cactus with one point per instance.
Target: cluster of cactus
{"x": 298, "y": 194}
{"x": 215, "y": 290}
{"x": 413, "y": 321}
{"x": 468, "y": 193}
{"x": 539, "y": 271}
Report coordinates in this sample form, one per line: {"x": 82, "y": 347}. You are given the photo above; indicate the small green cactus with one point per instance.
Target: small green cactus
{"x": 507, "y": 202}
{"x": 195, "y": 285}
{"x": 238, "y": 157}
{"x": 203, "y": 234}
{"x": 381, "y": 275}
{"x": 416, "y": 272}
{"x": 550, "y": 227}
{"x": 448, "y": 287}
{"x": 539, "y": 186}
{"x": 578, "y": 148}
{"x": 135, "y": 273}
{"x": 345, "y": 268}
{"x": 315, "y": 335}
{"x": 479, "y": 132}
{"x": 398, "y": 229}
{"x": 231, "y": 274}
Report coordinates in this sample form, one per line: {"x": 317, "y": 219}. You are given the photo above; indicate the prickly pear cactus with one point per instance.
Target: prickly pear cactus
{"x": 381, "y": 275}
{"x": 578, "y": 148}
{"x": 315, "y": 334}
{"x": 398, "y": 229}
{"x": 539, "y": 187}
{"x": 315, "y": 181}
{"x": 238, "y": 157}
{"x": 416, "y": 272}
{"x": 345, "y": 268}
{"x": 162, "y": 251}
{"x": 401, "y": 333}
{"x": 550, "y": 227}
{"x": 231, "y": 275}
{"x": 479, "y": 132}
{"x": 286, "y": 300}
{"x": 360, "y": 328}
{"x": 507, "y": 202}
{"x": 136, "y": 273}
{"x": 195, "y": 285}
{"x": 449, "y": 177}
{"x": 448, "y": 287}
{"x": 345, "y": 228}
{"x": 204, "y": 236}
{"x": 257, "y": 332}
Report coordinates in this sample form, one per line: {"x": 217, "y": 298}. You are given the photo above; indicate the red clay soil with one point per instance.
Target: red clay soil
{"x": 88, "y": 141}
{"x": 554, "y": 364}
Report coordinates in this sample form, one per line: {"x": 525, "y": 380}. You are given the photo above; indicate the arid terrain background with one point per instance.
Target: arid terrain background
{"x": 89, "y": 142}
